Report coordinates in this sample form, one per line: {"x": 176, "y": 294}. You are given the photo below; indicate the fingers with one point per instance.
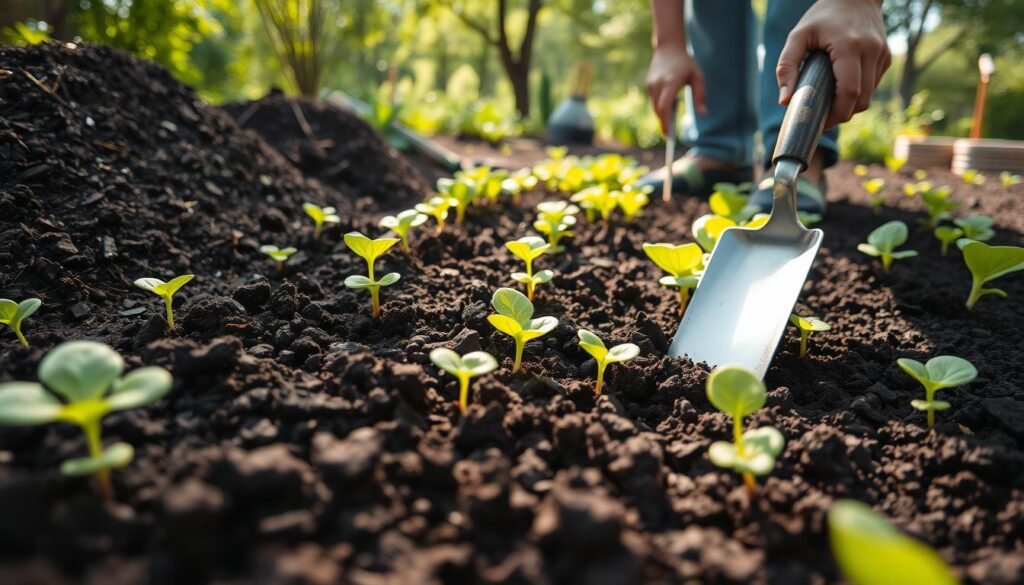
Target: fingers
{"x": 847, "y": 69}
{"x": 663, "y": 94}
{"x": 699, "y": 95}
{"x": 788, "y": 70}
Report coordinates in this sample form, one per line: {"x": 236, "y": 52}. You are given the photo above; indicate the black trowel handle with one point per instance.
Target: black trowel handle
{"x": 806, "y": 113}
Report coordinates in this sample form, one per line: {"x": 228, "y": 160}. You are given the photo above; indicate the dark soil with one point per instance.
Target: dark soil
{"x": 304, "y": 442}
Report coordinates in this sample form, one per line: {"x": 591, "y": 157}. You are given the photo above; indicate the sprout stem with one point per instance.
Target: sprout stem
{"x": 519, "y": 355}
{"x": 170, "y": 312}
{"x": 405, "y": 243}
{"x": 929, "y": 394}
{"x": 91, "y": 428}
{"x": 463, "y": 392}
{"x": 440, "y": 224}
{"x": 886, "y": 262}
{"x": 601, "y": 365}
{"x": 751, "y": 483}
{"x": 17, "y": 331}
{"x": 684, "y": 299}
{"x": 460, "y": 213}
{"x": 317, "y": 230}
{"x": 375, "y": 299}
{"x": 804, "y": 334}
{"x": 280, "y": 266}
{"x": 737, "y": 434}
{"x": 976, "y": 292}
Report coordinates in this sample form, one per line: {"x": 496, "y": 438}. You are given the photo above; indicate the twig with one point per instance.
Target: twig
{"x": 301, "y": 119}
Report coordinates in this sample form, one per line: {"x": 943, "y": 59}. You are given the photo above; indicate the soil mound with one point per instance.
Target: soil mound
{"x": 111, "y": 170}
{"x": 335, "y": 146}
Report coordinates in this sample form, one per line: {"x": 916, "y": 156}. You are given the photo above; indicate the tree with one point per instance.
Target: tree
{"x": 298, "y": 29}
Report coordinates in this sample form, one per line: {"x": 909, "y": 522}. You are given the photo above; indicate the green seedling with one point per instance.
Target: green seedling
{"x": 165, "y": 290}
{"x": 988, "y": 263}
{"x": 437, "y": 208}
{"x": 945, "y": 371}
{"x": 1009, "y": 179}
{"x": 515, "y": 318}
{"x": 870, "y": 551}
{"x": 370, "y": 250}
{"x": 476, "y": 363}
{"x": 683, "y": 263}
{"x": 807, "y": 218}
{"x": 493, "y": 185}
{"x": 883, "y": 241}
{"x": 894, "y": 164}
{"x": 320, "y": 216}
{"x": 738, "y": 392}
{"x": 87, "y": 376}
{"x": 593, "y": 345}
{"x": 13, "y": 314}
{"x": 632, "y": 202}
{"x": 402, "y": 224}
{"x": 462, "y": 191}
{"x": 520, "y": 182}
{"x": 708, "y": 229}
{"x": 973, "y": 177}
{"x": 947, "y": 235}
{"x": 938, "y": 205}
{"x": 529, "y": 249}
{"x": 278, "y": 255}
{"x": 911, "y": 189}
{"x": 597, "y": 200}
{"x": 860, "y": 170}
{"x": 806, "y": 325}
{"x": 976, "y": 227}
{"x": 731, "y": 201}
{"x": 920, "y": 174}
{"x": 874, "y": 188}
{"x": 555, "y": 220}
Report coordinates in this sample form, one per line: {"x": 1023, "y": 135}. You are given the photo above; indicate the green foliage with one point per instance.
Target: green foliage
{"x": 684, "y": 263}
{"x": 31, "y": 32}
{"x": 87, "y": 377}
{"x": 515, "y": 318}
{"x": 988, "y": 263}
{"x": 402, "y": 224}
{"x": 1007, "y": 179}
{"x": 320, "y": 216}
{"x": 528, "y": 249}
{"x": 945, "y": 371}
{"x": 976, "y": 227}
{"x": 731, "y": 201}
{"x": 596, "y": 200}
{"x": 738, "y": 392}
{"x": 13, "y": 313}
{"x": 300, "y": 32}
{"x": 632, "y": 201}
{"x": 973, "y": 177}
{"x": 708, "y": 229}
{"x": 476, "y": 363}
{"x": 165, "y": 290}
{"x": 593, "y": 345}
{"x": 806, "y": 325}
{"x": 947, "y": 235}
{"x": 938, "y": 205}
{"x": 370, "y": 250}
{"x": 278, "y": 255}
{"x": 555, "y": 220}
{"x": 437, "y": 207}
{"x": 870, "y": 551}
{"x": 869, "y": 136}
{"x": 883, "y": 241}
{"x": 874, "y": 188}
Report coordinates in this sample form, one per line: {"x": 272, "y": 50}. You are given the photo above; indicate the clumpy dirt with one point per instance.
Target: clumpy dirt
{"x": 304, "y": 442}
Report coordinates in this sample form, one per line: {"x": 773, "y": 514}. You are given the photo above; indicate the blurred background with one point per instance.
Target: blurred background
{"x": 495, "y": 69}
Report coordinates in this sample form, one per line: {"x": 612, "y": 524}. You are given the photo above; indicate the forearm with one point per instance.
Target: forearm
{"x": 667, "y": 17}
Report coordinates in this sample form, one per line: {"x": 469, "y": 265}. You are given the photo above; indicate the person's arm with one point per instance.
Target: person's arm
{"x": 853, "y": 33}
{"x": 672, "y": 66}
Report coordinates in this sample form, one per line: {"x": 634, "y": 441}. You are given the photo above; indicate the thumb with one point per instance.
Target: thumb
{"x": 788, "y": 69}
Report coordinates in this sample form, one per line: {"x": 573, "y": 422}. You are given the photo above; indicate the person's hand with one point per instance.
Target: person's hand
{"x": 853, "y": 34}
{"x": 672, "y": 67}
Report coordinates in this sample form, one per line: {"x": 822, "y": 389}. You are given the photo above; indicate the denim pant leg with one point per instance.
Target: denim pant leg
{"x": 782, "y": 16}
{"x": 721, "y": 34}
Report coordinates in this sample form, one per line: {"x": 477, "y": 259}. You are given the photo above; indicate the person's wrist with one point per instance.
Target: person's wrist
{"x": 669, "y": 44}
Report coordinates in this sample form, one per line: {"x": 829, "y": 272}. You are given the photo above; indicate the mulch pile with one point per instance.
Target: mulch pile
{"x": 304, "y": 442}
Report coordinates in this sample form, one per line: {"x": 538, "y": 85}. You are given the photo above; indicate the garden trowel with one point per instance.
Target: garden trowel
{"x": 746, "y": 295}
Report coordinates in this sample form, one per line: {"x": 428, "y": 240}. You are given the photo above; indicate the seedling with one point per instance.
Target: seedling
{"x": 973, "y": 177}
{"x": 597, "y": 200}
{"x": 806, "y": 325}
{"x": 870, "y": 551}
{"x": 370, "y": 250}
{"x": 731, "y": 201}
{"x": 976, "y": 227}
{"x": 165, "y": 290}
{"x": 894, "y": 164}
{"x": 87, "y": 376}
{"x": 529, "y": 249}
{"x": 632, "y": 202}
{"x": 708, "y": 228}
{"x": 860, "y": 170}
{"x": 437, "y": 208}
{"x": 278, "y": 255}
{"x": 1009, "y": 179}
{"x": 683, "y": 263}
{"x": 476, "y": 363}
{"x": 555, "y": 221}
{"x": 593, "y": 345}
{"x": 738, "y": 392}
{"x": 920, "y": 174}
{"x": 947, "y": 235}
{"x": 874, "y": 188}
{"x": 320, "y": 216}
{"x": 989, "y": 263}
{"x": 807, "y": 218}
{"x": 945, "y": 371}
{"x": 519, "y": 182}
{"x": 515, "y": 318}
{"x": 462, "y": 191}
{"x": 402, "y": 224}
{"x": 911, "y": 189}
{"x": 13, "y": 314}
{"x": 883, "y": 241}
{"x": 938, "y": 205}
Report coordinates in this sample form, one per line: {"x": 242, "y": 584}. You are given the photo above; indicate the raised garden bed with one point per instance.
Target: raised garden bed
{"x": 303, "y": 442}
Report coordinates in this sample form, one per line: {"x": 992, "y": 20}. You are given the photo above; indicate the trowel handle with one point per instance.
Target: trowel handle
{"x": 807, "y": 110}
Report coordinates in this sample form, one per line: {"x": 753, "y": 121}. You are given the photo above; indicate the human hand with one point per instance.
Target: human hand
{"x": 853, "y": 34}
{"x": 672, "y": 67}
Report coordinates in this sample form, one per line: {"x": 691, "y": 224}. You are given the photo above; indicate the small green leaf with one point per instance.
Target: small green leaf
{"x": 873, "y": 186}
{"x": 447, "y": 360}
{"x": 479, "y": 363}
{"x": 736, "y": 390}
{"x": 528, "y": 248}
{"x": 543, "y": 276}
{"x": 809, "y": 323}
{"x": 708, "y": 229}
{"x": 367, "y": 248}
{"x": 592, "y": 344}
{"x": 927, "y": 405}
{"x": 888, "y": 236}
{"x": 27, "y": 403}
{"x": 139, "y": 388}
{"x": 940, "y": 372}
{"x": 760, "y": 448}
{"x": 506, "y": 325}
{"x": 623, "y": 353}
{"x": 870, "y": 551}
{"x": 677, "y": 260}
{"x": 976, "y": 227}
{"x": 359, "y": 281}
{"x": 117, "y": 455}
{"x": 513, "y": 304}
{"x": 80, "y": 370}
{"x": 541, "y": 325}
{"x": 389, "y": 279}
{"x": 278, "y": 254}
{"x": 26, "y": 309}
{"x": 990, "y": 262}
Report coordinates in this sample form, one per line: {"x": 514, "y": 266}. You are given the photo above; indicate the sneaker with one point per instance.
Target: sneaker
{"x": 810, "y": 198}
{"x": 690, "y": 179}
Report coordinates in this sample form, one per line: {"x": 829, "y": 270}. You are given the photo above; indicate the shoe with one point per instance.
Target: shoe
{"x": 810, "y": 198}
{"x": 690, "y": 179}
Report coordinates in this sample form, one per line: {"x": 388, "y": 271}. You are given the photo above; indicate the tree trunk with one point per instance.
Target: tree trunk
{"x": 908, "y": 77}
{"x": 519, "y": 77}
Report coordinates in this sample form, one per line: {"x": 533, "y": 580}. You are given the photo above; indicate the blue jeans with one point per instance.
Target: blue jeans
{"x": 740, "y": 99}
